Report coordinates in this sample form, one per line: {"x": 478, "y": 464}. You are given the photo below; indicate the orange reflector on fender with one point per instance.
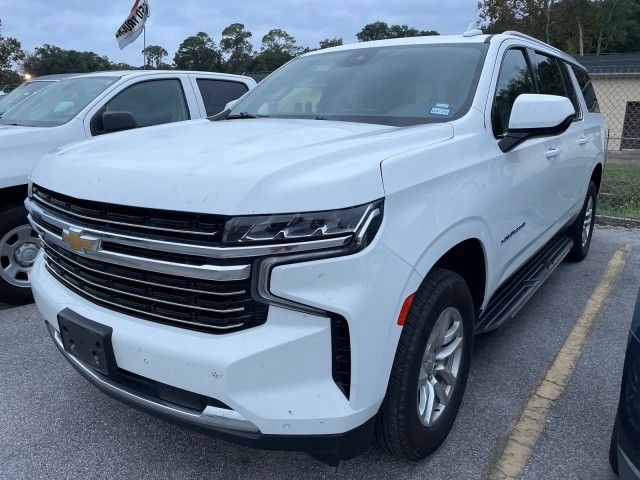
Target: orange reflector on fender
{"x": 404, "y": 311}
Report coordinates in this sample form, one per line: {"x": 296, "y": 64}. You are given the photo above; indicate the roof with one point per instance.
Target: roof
{"x": 472, "y": 37}
{"x": 57, "y": 76}
{"x": 612, "y": 63}
{"x": 427, "y": 40}
{"x": 132, "y": 73}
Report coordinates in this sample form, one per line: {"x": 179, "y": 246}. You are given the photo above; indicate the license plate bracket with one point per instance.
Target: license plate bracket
{"x": 87, "y": 341}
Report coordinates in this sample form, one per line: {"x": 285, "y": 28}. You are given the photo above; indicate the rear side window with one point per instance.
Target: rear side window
{"x": 514, "y": 80}
{"x": 550, "y": 80}
{"x": 587, "y": 89}
{"x": 217, "y": 93}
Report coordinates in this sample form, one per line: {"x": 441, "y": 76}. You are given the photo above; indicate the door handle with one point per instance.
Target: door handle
{"x": 583, "y": 141}
{"x": 552, "y": 153}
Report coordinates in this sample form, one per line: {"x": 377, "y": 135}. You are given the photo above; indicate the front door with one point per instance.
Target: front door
{"x": 524, "y": 174}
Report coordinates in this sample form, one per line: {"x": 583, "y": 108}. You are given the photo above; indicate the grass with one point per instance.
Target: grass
{"x": 620, "y": 195}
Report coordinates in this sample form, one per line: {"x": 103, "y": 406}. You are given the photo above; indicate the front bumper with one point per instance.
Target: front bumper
{"x": 223, "y": 423}
{"x": 276, "y": 378}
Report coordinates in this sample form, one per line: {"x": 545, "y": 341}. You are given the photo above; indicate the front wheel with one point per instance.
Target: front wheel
{"x": 18, "y": 249}
{"x": 430, "y": 369}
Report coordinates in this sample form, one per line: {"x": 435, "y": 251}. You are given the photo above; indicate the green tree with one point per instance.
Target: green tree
{"x": 278, "y": 47}
{"x": 154, "y": 55}
{"x": 330, "y": 42}
{"x": 278, "y": 40}
{"x": 49, "y": 59}
{"x": 576, "y": 26}
{"x": 122, "y": 66}
{"x": 198, "y": 52}
{"x": 382, "y": 31}
{"x": 236, "y": 45}
{"x": 10, "y": 51}
{"x": 402, "y": 31}
{"x": 373, "y": 31}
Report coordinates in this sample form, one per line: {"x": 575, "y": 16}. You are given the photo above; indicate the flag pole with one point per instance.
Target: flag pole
{"x": 144, "y": 46}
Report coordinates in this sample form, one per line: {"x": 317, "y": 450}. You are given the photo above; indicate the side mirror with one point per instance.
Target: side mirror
{"x": 117, "y": 121}
{"x": 231, "y": 104}
{"x": 535, "y": 115}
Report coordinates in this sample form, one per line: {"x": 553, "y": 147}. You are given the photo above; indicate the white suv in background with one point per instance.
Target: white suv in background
{"x": 70, "y": 108}
{"x": 310, "y": 266}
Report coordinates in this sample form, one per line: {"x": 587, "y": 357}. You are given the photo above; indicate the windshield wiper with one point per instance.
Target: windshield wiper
{"x": 244, "y": 115}
{"x": 225, "y": 115}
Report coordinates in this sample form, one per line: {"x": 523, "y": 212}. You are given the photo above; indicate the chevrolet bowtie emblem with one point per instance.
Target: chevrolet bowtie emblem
{"x": 77, "y": 240}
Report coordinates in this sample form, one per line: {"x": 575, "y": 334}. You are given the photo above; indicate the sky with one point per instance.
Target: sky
{"x": 91, "y": 25}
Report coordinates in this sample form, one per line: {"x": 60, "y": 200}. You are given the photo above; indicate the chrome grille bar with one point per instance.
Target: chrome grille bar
{"x": 50, "y": 260}
{"x": 142, "y": 312}
{"x": 48, "y": 204}
{"x": 205, "y": 271}
{"x": 153, "y": 284}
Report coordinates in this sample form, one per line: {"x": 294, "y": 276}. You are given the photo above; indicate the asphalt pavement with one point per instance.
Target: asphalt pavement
{"x": 54, "y": 424}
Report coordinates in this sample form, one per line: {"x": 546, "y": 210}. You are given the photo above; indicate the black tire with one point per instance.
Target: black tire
{"x": 580, "y": 249}
{"x": 613, "y": 450}
{"x": 399, "y": 429}
{"x": 12, "y": 215}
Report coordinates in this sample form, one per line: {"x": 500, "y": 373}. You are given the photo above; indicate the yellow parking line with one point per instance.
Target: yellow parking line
{"x": 528, "y": 428}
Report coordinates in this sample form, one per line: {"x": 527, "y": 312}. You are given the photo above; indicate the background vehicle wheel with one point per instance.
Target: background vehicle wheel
{"x": 18, "y": 249}
{"x": 430, "y": 369}
{"x": 581, "y": 230}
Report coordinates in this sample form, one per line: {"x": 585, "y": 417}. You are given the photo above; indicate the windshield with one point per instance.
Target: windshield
{"x": 59, "y": 103}
{"x": 397, "y": 85}
{"x": 21, "y": 93}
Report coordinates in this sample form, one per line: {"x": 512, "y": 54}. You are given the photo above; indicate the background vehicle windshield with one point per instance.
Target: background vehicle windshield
{"x": 59, "y": 103}
{"x": 397, "y": 85}
{"x": 21, "y": 93}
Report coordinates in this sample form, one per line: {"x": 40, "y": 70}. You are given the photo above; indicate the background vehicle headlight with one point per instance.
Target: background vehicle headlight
{"x": 358, "y": 222}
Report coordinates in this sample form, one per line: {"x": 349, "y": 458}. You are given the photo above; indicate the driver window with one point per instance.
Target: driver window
{"x": 150, "y": 103}
{"x": 514, "y": 79}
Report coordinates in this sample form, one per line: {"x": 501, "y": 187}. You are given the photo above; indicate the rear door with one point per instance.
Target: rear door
{"x": 215, "y": 93}
{"x": 564, "y": 153}
{"x": 591, "y": 140}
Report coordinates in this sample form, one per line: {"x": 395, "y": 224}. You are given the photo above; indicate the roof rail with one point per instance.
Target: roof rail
{"x": 531, "y": 39}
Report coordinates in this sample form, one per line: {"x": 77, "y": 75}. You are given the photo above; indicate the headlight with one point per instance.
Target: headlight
{"x": 361, "y": 223}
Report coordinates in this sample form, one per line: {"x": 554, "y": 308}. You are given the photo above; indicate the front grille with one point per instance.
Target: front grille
{"x": 205, "y": 305}
{"x": 151, "y": 223}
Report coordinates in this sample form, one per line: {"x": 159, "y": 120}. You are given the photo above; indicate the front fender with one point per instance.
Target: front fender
{"x": 426, "y": 255}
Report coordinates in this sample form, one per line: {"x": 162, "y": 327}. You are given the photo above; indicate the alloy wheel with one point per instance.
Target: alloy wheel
{"x": 440, "y": 366}
{"x": 588, "y": 219}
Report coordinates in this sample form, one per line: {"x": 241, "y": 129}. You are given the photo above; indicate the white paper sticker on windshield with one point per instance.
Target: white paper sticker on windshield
{"x": 441, "y": 109}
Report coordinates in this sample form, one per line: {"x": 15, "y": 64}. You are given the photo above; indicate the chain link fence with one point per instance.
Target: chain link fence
{"x": 619, "y": 98}
{"x": 618, "y": 92}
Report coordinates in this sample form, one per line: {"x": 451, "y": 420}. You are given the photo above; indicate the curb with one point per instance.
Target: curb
{"x": 617, "y": 221}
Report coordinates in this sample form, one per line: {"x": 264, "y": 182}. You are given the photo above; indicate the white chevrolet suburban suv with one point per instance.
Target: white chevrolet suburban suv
{"x": 307, "y": 270}
{"x": 52, "y": 111}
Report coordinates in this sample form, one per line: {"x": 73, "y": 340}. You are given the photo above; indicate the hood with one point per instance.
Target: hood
{"x": 22, "y": 147}
{"x": 234, "y": 167}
